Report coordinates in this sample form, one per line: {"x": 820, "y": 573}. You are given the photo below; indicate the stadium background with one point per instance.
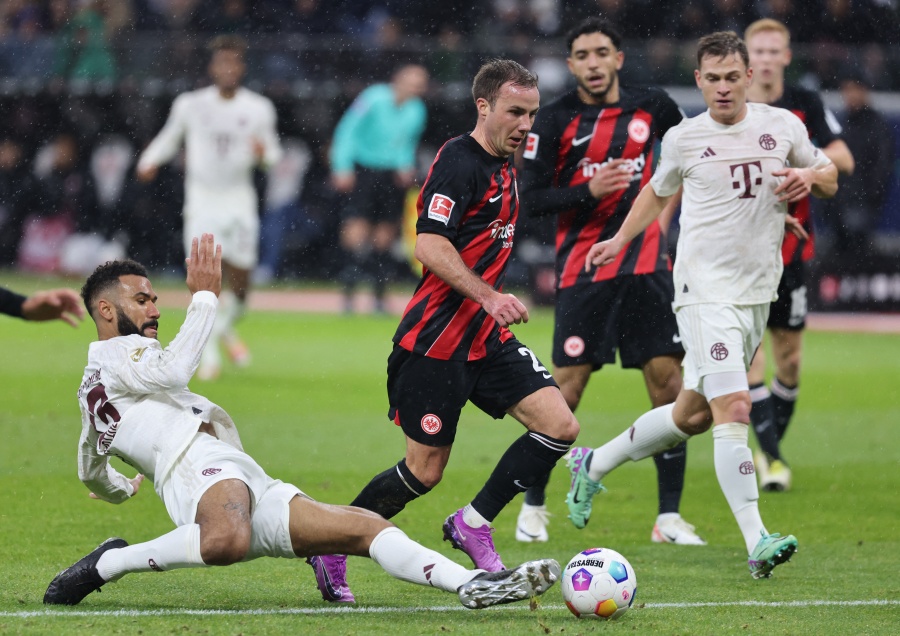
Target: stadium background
{"x": 106, "y": 72}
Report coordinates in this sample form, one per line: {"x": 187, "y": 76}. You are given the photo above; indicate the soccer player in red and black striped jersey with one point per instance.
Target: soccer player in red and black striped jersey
{"x": 453, "y": 344}
{"x": 768, "y": 42}
{"x": 588, "y": 156}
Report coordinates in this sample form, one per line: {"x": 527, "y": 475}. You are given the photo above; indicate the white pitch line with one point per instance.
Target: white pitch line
{"x": 407, "y": 610}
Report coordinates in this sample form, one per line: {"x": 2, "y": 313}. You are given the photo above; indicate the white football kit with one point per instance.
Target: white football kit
{"x": 219, "y": 136}
{"x": 135, "y": 405}
{"x": 729, "y": 247}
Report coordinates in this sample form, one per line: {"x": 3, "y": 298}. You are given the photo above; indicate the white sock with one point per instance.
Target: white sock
{"x": 177, "y": 549}
{"x": 404, "y": 559}
{"x": 473, "y": 518}
{"x": 653, "y": 432}
{"x": 734, "y": 468}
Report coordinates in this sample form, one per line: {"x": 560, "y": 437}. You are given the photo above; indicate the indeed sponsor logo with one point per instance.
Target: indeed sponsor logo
{"x": 636, "y": 166}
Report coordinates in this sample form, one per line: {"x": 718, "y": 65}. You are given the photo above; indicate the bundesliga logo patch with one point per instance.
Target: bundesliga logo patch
{"x": 440, "y": 208}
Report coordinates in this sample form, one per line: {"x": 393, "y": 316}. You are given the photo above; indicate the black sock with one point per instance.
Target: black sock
{"x": 354, "y": 268}
{"x": 390, "y": 491}
{"x": 537, "y": 494}
{"x": 784, "y": 398}
{"x": 762, "y": 418}
{"x": 670, "y": 466}
{"x": 529, "y": 458}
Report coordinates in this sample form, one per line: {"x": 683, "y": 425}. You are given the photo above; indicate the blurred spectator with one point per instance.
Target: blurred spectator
{"x": 685, "y": 22}
{"x": 16, "y": 185}
{"x": 855, "y": 210}
{"x": 799, "y": 16}
{"x": 309, "y": 17}
{"x": 25, "y": 50}
{"x": 83, "y": 51}
{"x": 164, "y": 15}
{"x": 844, "y": 22}
{"x": 638, "y": 18}
{"x": 373, "y": 162}
{"x": 223, "y": 16}
{"x": 731, "y": 15}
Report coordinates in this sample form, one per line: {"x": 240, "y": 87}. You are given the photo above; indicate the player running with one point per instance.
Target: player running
{"x": 453, "y": 343}
{"x": 588, "y": 156}
{"x": 135, "y": 405}
{"x": 227, "y": 131}
{"x": 739, "y": 165}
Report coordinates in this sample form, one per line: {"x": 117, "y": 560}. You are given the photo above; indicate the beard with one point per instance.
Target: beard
{"x": 128, "y": 328}
{"x": 600, "y": 95}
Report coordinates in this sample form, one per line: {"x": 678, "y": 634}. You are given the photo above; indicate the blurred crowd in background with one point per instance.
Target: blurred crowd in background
{"x": 85, "y": 84}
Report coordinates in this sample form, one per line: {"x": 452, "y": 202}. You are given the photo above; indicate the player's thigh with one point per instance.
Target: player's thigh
{"x": 320, "y": 528}
{"x": 572, "y": 381}
{"x": 718, "y": 338}
{"x": 662, "y": 377}
{"x": 585, "y": 329}
{"x": 426, "y": 395}
{"x": 647, "y": 325}
{"x": 545, "y": 411}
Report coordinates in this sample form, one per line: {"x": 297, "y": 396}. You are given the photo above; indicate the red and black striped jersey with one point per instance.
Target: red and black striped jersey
{"x": 823, "y": 128}
{"x": 569, "y": 142}
{"x": 470, "y": 198}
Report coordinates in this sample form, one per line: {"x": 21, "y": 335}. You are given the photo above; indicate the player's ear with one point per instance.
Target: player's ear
{"x": 483, "y": 107}
{"x": 106, "y": 311}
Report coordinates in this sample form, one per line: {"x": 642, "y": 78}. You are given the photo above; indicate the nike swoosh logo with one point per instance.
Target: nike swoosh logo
{"x": 526, "y": 533}
{"x": 672, "y": 455}
{"x": 519, "y": 485}
{"x": 581, "y": 140}
{"x": 676, "y": 338}
{"x": 763, "y": 426}
{"x": 575, "y": 498}
{"x": 492, "y": 199}
{"x": 547, "y": 376}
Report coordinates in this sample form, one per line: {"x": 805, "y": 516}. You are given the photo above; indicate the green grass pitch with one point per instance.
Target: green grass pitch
{"x": 312, "y": 410}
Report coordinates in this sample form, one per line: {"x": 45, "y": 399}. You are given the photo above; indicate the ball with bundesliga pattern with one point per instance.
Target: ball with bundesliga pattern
{"x": 598, "y": 583}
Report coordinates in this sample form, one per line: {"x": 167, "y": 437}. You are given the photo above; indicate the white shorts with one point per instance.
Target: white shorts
{"x": 208, "y": 461}
{"x": 233, "y": 219}
{"x": 719, "y": 338}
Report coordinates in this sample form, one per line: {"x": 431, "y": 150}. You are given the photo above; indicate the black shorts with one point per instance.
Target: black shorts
{"x": 789, "y": 311}
{"x": 630, "y": 313}
{"x": 375, "y": 197}
{"x": 427, "y": 395}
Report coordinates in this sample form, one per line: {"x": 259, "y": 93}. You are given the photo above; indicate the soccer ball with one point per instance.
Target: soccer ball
{"x": 598, "y": 583}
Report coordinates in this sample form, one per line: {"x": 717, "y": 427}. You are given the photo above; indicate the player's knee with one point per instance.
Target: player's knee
{"x": 224, "y": 546}
{"x": 695, "y": 423}
{"x": 737, "y": 407}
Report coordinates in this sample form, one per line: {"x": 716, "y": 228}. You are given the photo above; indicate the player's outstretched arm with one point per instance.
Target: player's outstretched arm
{"x": 54, "y": 304}
{"x": 646, "y": 207}
{"x": 135, "y": 483}
{"x": 437, "y": 254}
{"x": 204, "y": 265}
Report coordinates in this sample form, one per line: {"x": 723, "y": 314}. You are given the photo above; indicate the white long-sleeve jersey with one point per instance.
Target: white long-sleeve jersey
{"x": 135, "y": 404}
{"x": 218, "y": 135}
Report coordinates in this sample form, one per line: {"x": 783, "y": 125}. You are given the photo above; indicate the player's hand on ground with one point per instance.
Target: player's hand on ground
{"x": 612, "y": 177}
{"x": 795, "y": 227}
{"x": 53, "y": 304}
{"x": 343, "y": 182}
{"x": 147, "y": 173}
{"x": 135, "y": 484}
{"x": 796, "y": 186}
{"x": 204, "y": 266}
{"x": 506, "y": 309}
{"x": 601, "y": 253}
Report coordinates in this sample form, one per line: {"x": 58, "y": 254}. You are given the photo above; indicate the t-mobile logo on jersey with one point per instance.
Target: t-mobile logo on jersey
{"x": 747, "y": 177}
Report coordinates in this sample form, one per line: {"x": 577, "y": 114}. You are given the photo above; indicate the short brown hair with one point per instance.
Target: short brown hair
{"x": 228, "y": 43}
{"x": 722, "y": 44}
{"x": 493, "y": 74}
{"x": 767, "y": 24}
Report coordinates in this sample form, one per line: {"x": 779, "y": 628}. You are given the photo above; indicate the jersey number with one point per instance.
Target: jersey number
{"x": 535, "y": 363}
{"x": 99, "y": 406}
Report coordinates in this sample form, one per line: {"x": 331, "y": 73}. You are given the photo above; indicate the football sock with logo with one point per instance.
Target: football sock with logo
{"x": 784, "y": 398}
{"x": 172, "y": 551}
{"x": 390, "y": 491}
{"x": 528, "y": 458}
{"x": 404, "y": 559}
{"x": 537, "y": 494}
{"x": 652, "y": 433}
{"x": 670, "y": 467}
{"x": 762, "y": 417}
{"x": 735, "y": 472}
